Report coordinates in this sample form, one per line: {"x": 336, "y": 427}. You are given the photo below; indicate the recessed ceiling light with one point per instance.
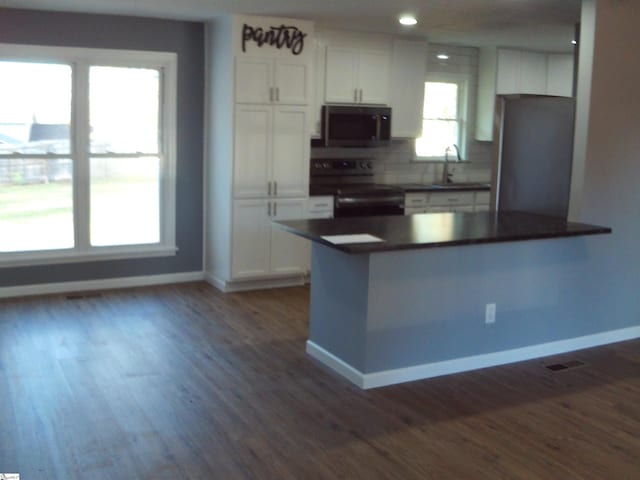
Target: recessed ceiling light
{"x": 574, "y": 42}
{"x": 408, "y": 20}
{"x": 443, "y": 56}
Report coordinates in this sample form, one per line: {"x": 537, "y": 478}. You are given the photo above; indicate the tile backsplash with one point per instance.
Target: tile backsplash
{"x": 395, "y": 164}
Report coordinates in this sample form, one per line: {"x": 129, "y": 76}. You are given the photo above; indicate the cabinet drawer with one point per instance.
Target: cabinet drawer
{"x": 452, "y": 198}
{"x": 415, "y": 200}
{"x": 321, "y": 204}
{"x": 414, "y": 210}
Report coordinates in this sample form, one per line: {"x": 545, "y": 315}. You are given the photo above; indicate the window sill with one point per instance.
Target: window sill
{"x": 55, "y": 257}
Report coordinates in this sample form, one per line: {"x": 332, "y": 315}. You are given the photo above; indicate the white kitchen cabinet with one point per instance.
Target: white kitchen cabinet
{"x": 356, "y": 75}
{"x": 438, "y": 202}
{"x": 538, "y": 73}
{"x": 272, "y": 81}
{"x": 560, "y": 75}
{"x": 406, "y": 95}
{"x": 486, "y": 102}
{"x": 260, "y": 249}
{"x": 450, "y": 199}
{"x": 271, "y": 150}
{"x": 320, "y": 206}
{"x": 533, "y": 73}
{"x": 521, "y": 72}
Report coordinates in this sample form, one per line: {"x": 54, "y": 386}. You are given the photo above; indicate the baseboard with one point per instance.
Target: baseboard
{"x": 335, "y": 364}
{"x": 430, "y": 370}
{"x": 245, "y": 285}
{"x": 103, "y": 284}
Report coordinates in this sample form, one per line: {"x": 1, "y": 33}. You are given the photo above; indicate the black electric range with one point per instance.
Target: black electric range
{"x": 350, "y": 181}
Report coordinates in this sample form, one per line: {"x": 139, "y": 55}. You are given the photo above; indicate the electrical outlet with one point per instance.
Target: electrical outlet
{"x": 490, "y": 313}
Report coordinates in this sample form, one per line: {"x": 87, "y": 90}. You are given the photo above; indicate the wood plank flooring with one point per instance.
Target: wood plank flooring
{"x": 184, "y": 382}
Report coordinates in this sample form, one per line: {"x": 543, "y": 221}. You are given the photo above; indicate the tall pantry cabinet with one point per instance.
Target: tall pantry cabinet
{"x": 259, "y": 84}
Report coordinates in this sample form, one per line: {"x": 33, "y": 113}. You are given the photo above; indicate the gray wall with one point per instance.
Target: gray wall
{"x": 131, "y": 33}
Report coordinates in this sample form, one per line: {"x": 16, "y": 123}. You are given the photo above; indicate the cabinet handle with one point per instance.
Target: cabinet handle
{"x": 269, "y": 189}
{"x": 271, "y": 94}
{"x": 275, "y": 209}
{"x": 275, "y": 189}
{"x": 268, "y": 209}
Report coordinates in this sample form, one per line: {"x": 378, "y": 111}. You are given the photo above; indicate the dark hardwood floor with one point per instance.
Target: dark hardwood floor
{"x": 184, "y": 382}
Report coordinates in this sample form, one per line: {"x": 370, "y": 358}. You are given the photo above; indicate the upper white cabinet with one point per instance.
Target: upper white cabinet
{"x": 538, "y": 73}
{"x": 271, "y": 151}
{"x": 560, "y": 75}
{"x": 521, "y": 72}
{"x": 272, "y": 81}
{"x": 357, "y": 69}
{"x": 487, "y": 62}
{"x": 406, "y": 96}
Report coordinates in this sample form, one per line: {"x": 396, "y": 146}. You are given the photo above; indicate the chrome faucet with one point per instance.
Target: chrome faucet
{"x": 445, "y": 170}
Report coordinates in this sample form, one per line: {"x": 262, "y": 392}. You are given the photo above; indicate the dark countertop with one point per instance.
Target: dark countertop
{"x": 430, "y": 230}
{"x": 454, "y": 187}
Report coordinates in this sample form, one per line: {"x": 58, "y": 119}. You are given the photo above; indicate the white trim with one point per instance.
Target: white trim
{"x": 229, "y": 286}
{"x": 335, "y": 364}
{"x": 105, "y": 284}
{"x": 55, "y": 257}
{"x": 465, "y": 364}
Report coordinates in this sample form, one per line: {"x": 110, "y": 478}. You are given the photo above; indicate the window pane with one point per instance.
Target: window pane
{"x": 36, "y": 205}
{"x": 437, "y": 135}
{"x": 124, "y": 109}
{"x": 125, "y": 201}
{"x": 440, "y": 100}
{"x": 35, "y": 107}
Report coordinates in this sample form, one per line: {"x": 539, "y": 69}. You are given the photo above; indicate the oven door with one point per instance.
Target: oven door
{"x": 364, "y": 206}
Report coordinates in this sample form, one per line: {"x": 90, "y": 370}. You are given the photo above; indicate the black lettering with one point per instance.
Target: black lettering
{"x": 247, "y": 34}
{"x": 279, "y": 37}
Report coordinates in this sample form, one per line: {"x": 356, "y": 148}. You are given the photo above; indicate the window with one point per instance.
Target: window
{"x": 443, "y": 117}
{"x": 87, "y": 154}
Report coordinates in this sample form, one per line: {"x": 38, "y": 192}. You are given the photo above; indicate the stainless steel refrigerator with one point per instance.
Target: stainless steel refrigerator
{"x": 533, "y": 154}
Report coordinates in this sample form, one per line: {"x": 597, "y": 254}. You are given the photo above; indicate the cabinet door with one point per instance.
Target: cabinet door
{"x": 560, "y": 75}
{"x": 340, "y": 75}
{"x": 289, "y": 253}
{"x": 290, "y": 171}
{"x": 293, "y": 83}
{"x": 250, "y": 239}
{"x": 508, "y": 76}
{"x": 373, "y": 76}
{"x": 406, "y": 95}
{"x": 254, "y": 80}
{"x": 533, "y": 75}
{"x": 253, "y": 132}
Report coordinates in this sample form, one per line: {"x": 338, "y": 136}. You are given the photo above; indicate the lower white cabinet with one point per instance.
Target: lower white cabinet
{"x": 260, "y": 249}
{"x": 437, "y": 202}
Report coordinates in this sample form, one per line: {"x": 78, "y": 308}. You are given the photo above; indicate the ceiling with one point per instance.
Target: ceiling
{"x": 533, "y": 24}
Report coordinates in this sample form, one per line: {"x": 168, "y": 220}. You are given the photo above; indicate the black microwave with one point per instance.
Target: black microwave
{"x": 355, "y": 126}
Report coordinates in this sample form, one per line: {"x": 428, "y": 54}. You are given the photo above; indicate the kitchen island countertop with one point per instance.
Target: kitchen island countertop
{"x": 432, "y": 230}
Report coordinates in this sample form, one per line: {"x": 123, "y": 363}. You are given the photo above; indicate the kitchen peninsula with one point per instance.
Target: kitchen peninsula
{"x": 411, "y": 304}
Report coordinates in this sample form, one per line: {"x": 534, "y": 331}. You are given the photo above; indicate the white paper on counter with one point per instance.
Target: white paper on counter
{"x": 356, "y": 238}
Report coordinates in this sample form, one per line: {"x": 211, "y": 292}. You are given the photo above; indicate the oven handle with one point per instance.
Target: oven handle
{"x": 396, "y": 200}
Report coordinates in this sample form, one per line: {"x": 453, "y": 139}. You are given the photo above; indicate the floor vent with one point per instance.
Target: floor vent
{"x": 565, "y": 366}
{"x": 82, "y": 296}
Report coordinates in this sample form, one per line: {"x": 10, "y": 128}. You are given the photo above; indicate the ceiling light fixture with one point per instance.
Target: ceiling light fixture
{"x": 443, "y": 56}
{"x": 574, "y": 42}
{"x": 407, "y": 20}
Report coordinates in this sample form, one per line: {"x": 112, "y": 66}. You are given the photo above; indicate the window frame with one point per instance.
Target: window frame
{"x": 80, "y": 59}
{"x": 462, "y": 114}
